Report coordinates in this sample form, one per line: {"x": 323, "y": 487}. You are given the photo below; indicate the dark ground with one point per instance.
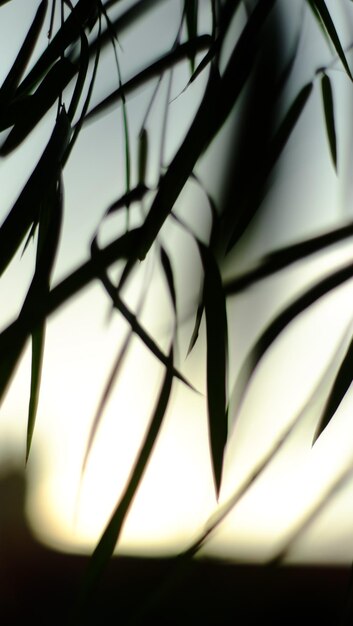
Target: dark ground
{"x": 39, "y": 586}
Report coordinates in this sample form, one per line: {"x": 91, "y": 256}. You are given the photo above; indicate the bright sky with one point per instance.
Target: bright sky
{"x": 176, "y": 496}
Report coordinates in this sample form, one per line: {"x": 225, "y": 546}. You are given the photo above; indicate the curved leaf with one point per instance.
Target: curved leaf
{"x": 323, "y": 16}
{"x": 217, "y": 341}
{"x": 108, "y": 541}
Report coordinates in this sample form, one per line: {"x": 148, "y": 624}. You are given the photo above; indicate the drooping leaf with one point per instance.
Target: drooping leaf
{"x": 283, "y": 257}
{"x": 135, "y": 195}
{"x": 339, "y": 389}
{"x": 218, "y": 101}
{"x": 217, "y": 341}
{"x": 68, "y": 34}
{"x": 46, "y": 95}
{"x": 109, "y": 539}
{"x": 25, "y": 210}
{"x": 323, "y": 16}
{"x": 191, "y": 15}
{"x": 327, "y": 98}
{"x": 13, "y": 78}
{"x": 50, "y": 221}
{"x": 142, "y": 157}
{"x": 153, "y": 70}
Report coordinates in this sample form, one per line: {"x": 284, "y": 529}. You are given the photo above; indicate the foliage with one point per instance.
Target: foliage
{"x": 234, "y": 69}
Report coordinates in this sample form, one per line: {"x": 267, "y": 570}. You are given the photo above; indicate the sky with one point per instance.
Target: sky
{"x": 176, "y": 496}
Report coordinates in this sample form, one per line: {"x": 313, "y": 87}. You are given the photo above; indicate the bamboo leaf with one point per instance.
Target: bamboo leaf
{"x": 68, "y": 34}
{"x": 142, "y": 157}
{"x": 48, "y": 240}
{"x": 339, "y": 389}
{"x": 323, "y": 16}
{"x": 283, "y": 257}
{"x": 135, "y": 195}
{"x": 110, "y": 537}
{"x": 191, "y": 14}
{"x": 26, "y": 208}
{"x": 14, "y": 76}
{"x": 38, "y": 338}
{"x": 279, "y": 323}
{"x": 168, "y": 272}
{"x": 164, "y": 63}
{"x": 217, "y": 339}
{"x": 328, "y": 104}
{"x": 47, "y": 93}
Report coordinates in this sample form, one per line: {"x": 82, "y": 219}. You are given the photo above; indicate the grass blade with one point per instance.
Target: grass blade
{"x": 328, "y": 104}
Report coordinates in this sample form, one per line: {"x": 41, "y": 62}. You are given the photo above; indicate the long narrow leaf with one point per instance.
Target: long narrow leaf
{"x": 321, "y": 12}
{"x": 328, "y": 104}
{"x": 25, "y": 210}
{"x": 110, "y": 537}
{"x": 14, "y": 76}
{"x": 339, "y": 389}
{"x": 217, "y": 341}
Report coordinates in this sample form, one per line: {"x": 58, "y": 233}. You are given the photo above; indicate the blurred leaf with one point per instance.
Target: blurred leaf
{"x": 68, "y": 34}
{"x": 13, "y": 78}
{"x": 168, "y": 272}
{"x": 38, "y": 338}
{"x": 217, "y": 341}
{"x": 25, "y": 211}
{"x": 329, "y": 116}
{"x": 108, "y": 541}
{"x": 48, "y": 240}
{"x": 339, "y": 389}
{"x": 283, "y": 257}
{"x": 218, "y": 101}
{"x": 279, "y": 323}
{"x": 191, "y": 14}
{"x": 288, "y": 124}
{"x": 135, "y": 195}
{"x": 47, "y": 93}
{"x": 164, "y": 63}
{"x": 82, "y": 73}
{"x": 323, "y": 16}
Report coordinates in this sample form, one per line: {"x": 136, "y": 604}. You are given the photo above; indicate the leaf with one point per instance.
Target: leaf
{"x": 48, "y": 240}
{"x": 288, "y": 124}
{"x": 110, "y": 537}
{"x": 283, "y": 257}
{"x": 26, "y": 208}
{"x": 191, "y": 14}
{"x": 164, "y": 63}
{"x": 339, "y": 389}
{"x": 47, "y": 93}
{"x": 38, "y": 338}
{"x": 323, "y": 16}
{"x": 218, "y": 101}
{"x": 14, "y": 76}
{"x": 135, "y": 195}
{"x": 217, "y": 339}
{"x": 68, "y": 34}
{"x": 142, "y": 157}
{"x": 279, "y": 323}
{"x": 329, "y": 116}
